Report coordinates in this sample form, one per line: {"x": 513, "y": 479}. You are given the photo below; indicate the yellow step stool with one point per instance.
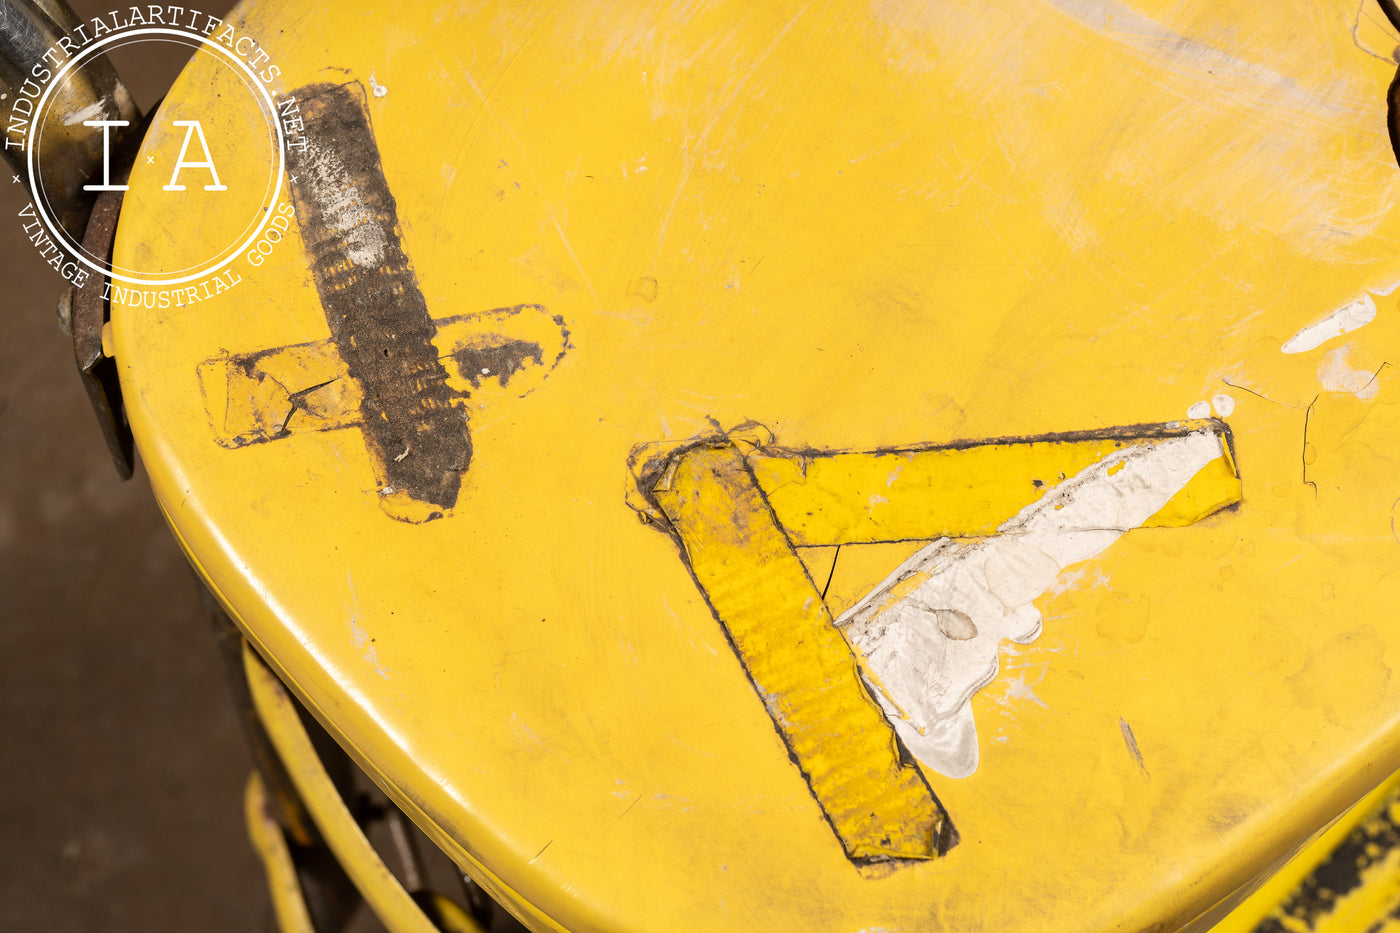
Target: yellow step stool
{"x": 852, "y": 466}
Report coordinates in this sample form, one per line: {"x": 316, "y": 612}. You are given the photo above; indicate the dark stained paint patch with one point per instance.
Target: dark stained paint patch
{"x": 416, "y": 435}
{"x": 499, "y": 361}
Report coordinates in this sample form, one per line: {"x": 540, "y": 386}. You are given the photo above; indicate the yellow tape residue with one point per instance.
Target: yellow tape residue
{"x": 963, "y": 491}
{"x": 880, "y": 807}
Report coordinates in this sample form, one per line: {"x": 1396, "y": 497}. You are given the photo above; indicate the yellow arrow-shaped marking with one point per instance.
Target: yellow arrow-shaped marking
{"x": 740, "y": 506}
{"x": 880, "y": 806}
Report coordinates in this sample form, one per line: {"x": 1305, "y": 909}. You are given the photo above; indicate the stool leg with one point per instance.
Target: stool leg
{"x": 329, "y": 895}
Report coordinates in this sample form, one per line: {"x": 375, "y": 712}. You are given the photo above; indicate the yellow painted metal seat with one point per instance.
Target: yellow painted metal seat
{"x": 839, "y": 467}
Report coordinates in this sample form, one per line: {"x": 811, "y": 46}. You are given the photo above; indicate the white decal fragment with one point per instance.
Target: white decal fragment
{"x": 93, "y": 111}
{"x": 1356, "y": 313}
{"x": 928, "y": 636}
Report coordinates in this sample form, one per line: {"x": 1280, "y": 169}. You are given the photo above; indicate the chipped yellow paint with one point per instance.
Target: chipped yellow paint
{"x": 867, "y": 225}
{"x": 879, "y": 806}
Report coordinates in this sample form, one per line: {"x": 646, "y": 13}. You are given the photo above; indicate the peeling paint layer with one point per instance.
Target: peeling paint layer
{"x": 922, "y": 676}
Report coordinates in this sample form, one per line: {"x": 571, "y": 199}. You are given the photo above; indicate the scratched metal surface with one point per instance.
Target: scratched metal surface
{"x": 872, "y": 228}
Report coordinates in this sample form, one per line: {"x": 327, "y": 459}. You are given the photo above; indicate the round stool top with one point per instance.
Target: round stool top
{"x": 854, "y": 466}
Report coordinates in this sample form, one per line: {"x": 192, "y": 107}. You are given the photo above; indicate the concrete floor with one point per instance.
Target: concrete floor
{"x": 120, "y": 799}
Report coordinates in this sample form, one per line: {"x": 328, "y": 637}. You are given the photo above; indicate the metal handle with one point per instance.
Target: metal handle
{"x": 31, "y": 58}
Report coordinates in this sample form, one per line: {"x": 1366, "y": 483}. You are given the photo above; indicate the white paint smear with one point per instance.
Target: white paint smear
{"x": 1223, "y": 404}
{"x": 93, "y": 111}
{"x": 1199, "y": 410}
{"x": 1356, "y": 313}
{"x": 375, "y": 87}
{"x": 363, "y": 641}
{"x": 929, "y": 635}
{"x": 1336, "y": 375}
